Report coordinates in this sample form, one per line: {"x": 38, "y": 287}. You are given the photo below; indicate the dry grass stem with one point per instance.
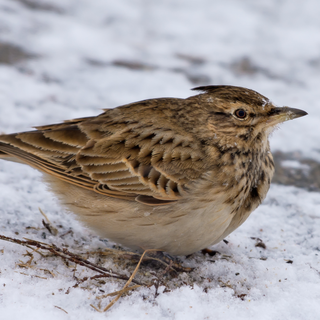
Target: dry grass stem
{"x": 128, "y": 282}
{"x": 61, "y": 309}
{"x": 73, "y": 261}
{"x": 121, "y": 292}
{"x": 53, "y": 230}
{"x": 67, "y": 255}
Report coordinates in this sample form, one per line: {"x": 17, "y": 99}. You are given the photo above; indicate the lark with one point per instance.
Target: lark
{"x": 176, "y": 175}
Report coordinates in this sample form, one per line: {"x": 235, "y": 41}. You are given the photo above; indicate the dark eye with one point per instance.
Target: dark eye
{"x": 240, "y": 113}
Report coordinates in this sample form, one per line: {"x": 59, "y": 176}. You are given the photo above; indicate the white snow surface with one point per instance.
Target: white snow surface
{"x": 74, "y": 43}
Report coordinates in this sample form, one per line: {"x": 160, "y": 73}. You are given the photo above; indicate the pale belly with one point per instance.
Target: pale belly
{"x": 180, "y": 228}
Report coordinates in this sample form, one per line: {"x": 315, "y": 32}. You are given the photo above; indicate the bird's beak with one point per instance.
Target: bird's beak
{"x": 278, "y": 115}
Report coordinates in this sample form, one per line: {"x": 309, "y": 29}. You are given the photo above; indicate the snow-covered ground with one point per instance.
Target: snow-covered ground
{"x": 65, "y": 59}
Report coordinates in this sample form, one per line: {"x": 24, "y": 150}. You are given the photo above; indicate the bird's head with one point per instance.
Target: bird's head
{"x": 239, "y": 116}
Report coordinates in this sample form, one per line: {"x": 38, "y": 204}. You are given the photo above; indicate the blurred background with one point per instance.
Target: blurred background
{"x": 63, "y": 59}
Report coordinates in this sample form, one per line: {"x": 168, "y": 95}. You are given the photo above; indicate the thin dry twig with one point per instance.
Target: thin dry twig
{"x": 159, "y": 278}
{"x": 128, "y": 282}
{"x": 31, "y": 275}
{"x": 122, "y": 291}
{"x": 61, "y": 309}
{"x": 311, "y": 267}
{"x": 67, "y": 255}
{"x": 47, "y": 224}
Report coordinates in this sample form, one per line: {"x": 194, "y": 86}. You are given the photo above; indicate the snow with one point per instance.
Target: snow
{"x": 294, "y": 165}
{"x": 270, "y": 46}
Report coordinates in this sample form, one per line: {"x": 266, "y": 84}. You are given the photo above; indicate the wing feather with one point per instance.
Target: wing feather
{"x": 136, "y": 152}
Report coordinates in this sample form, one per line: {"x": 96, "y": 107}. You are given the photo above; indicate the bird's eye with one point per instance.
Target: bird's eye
{"x": 240, "y": 113}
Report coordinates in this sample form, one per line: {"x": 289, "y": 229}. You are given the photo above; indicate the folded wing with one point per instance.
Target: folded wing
{"x": 136, "y": 157}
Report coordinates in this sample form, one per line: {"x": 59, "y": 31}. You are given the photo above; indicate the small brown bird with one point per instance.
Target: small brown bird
{"x": 177, "y": 175}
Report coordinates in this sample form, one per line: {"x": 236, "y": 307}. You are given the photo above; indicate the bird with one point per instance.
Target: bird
{"x": 169, "y": 174}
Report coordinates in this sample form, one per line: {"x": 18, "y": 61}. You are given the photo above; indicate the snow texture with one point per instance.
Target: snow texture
{"x": 73, "y": 58}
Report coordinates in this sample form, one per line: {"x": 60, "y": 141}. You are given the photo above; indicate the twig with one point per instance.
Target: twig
{"x": 98, "y": 276}
{"x": 311, "y": 267}
{"x": 124, "y": 289}
{"x": 61, "y": 309}
{"x": 159, "y": 278}
{"x": 65, "y": 254}
{"x": 53, "y": 230}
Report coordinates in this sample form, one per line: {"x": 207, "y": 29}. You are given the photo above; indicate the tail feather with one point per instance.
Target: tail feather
{"x": 11, "y": 153}
{"x": 8, "y": 157}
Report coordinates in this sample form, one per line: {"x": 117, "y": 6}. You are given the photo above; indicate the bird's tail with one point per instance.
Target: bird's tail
{"x": 5, "y": 153}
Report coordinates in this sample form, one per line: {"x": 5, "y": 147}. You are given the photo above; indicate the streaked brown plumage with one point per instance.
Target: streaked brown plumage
{"x": 176, "y": 175}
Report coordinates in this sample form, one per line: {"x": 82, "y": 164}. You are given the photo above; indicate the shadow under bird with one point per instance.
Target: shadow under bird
{"x": 177, "y": 175}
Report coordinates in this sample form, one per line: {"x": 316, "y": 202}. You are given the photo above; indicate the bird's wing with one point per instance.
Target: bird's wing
{"x": 138, "y": 158}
